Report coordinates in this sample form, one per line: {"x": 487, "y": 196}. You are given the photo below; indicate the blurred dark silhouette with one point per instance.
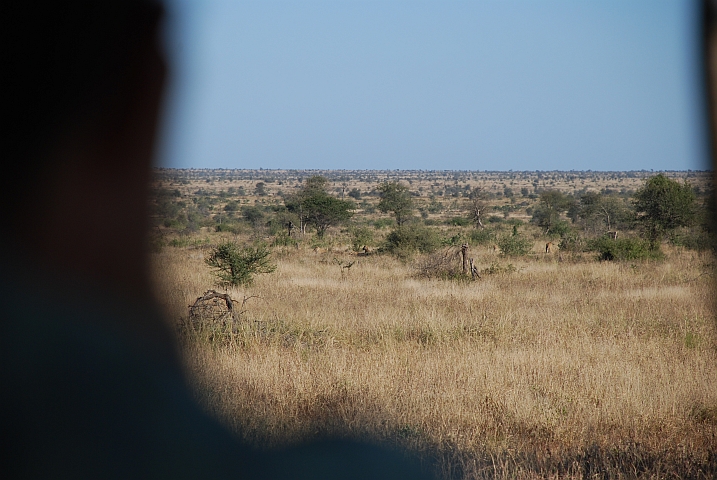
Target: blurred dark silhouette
{"x": 90, "y": 383}
{"x": 709, "y": 19}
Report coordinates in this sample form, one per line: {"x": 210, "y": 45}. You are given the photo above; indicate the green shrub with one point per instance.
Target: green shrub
{"x": 234, "y": 265}
{"x": 496, "y": 268}
{"x": 458, "y": 222}
{"x": 693, "y": 239}
{"x": 572, "y": 243}
{"x": 453, "y": 240}
{"x": 561, "y": 228}
{"x": 179, "y": 242}
{"x": 482, "y": 236}
{"x": 406, "y": 240}
{"x": 227, "y": 227}
{"x": 232, "y": 206}
{"x": 515, "y": 245}
{"x": 435, "y": 206}
{"x": 624, "y": 249}
{"x": 382, "y": 223}
{"x": 281, "y": 239}
{"x": 254, "y": 215}
{"x": 360, "y": 236}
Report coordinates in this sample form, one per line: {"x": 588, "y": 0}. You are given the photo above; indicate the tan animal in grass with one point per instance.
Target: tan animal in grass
{"x": 318, "y": 250}
{"x": 366, "y": 251}
{"x": 495, "y": 249}
{"x": 549, "y": 247}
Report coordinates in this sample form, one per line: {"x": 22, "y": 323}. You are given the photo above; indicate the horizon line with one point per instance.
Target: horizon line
{"x": 261, "y": 169}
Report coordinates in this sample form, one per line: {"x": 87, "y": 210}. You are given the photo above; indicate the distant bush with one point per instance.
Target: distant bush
{"x": 693, "y": 239}
{"x": 443, "y": 265}
{"x": 367, "y": 207}
{"x": 227, "y": 227}
{"x": 482, "y": 236}
{"x": 514, "y": 245}
{"x": 453, "y": 240}
{"x": 179, "y": 242}
{"x": 406, "y": 240}
{"x": 572, "y": 243}
{"x": 360, "y": 236}
{"x": 252, "y": 214}
{"x": 232, "y": 206}
{"x": 281, "y": 239}
{"x": 561, "y": 228}
{"x": 458, "y": 222}
{"x": 624, "y": 249}
{"x": 188, "y": 241}
{"x": 382, "y": 223}
{"x": 435, "y": 206}
{"x": 496, "y": 269}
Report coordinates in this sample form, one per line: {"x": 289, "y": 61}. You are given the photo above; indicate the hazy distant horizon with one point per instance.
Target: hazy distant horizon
{"x": 398, "y": 170}
{"x": 427, "y": 85}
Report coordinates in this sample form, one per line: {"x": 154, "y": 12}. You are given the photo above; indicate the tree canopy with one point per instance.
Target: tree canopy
{"x": 315, "y": 207}
{"x": 663, "y": 205}
{"x": 396, "y": 198}
{"x": 601, "y": 213}
{"x": 547, "y": 213}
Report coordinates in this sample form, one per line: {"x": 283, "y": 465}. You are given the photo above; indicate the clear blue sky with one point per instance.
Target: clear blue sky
{"x": 476, "y": 85}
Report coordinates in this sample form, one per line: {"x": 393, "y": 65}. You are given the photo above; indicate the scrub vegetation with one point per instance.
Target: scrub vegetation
{"x": 594, "y": 358}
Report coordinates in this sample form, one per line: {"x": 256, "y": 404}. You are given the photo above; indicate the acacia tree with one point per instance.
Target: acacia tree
{"x": 234, "y": 265}
{"x": 315, "y": 207}
{"x": 664, "y": 205}
{"x": 396, "y": 198}
{"x": 324, "y": 211}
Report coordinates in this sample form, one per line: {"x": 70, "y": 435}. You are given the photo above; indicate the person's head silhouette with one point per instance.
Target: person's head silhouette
{"x": 90, "y": 386}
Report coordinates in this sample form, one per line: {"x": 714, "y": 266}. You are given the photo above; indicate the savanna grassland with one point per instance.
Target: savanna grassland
{"x": 549, "y": 365}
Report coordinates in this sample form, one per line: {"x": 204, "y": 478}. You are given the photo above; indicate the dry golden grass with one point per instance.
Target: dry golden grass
{"x": 559, "y": 369}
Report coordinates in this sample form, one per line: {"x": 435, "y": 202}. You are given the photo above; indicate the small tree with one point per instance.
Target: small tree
{"x": 253, "y": 215}
{"x": 514, "y": 245}
{"x": 234, "y": 265}
{"x": 664, "y": 205}
{"x": 396, "y": 198}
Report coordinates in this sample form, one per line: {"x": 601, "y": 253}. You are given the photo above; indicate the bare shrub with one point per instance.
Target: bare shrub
{"x": 444, "y": 264}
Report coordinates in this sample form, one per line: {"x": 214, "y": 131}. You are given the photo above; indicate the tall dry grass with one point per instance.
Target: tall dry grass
{"x": 559, "y": 369}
